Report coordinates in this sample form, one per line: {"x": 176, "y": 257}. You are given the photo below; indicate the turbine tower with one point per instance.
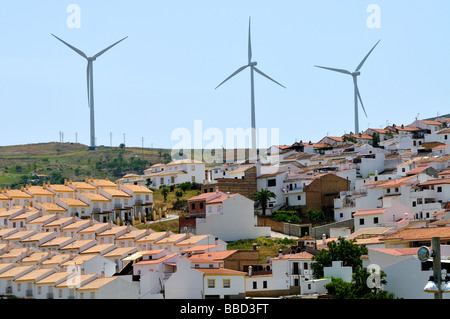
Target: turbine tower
{"x": 252, "y": 65}
{"x": 355, "y": 75}
{"x": 90, "y": 82}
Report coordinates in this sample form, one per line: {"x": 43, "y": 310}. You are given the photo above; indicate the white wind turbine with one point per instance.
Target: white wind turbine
{"x": 90, "y": 82}
{"x": 252, "y": 66}
{"x": 354, "y": 74}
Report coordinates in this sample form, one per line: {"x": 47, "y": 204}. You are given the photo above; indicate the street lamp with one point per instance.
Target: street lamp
{"x": 438, "y": 286}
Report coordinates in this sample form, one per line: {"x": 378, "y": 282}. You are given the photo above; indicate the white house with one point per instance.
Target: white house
{"x": 108, "y": 288}
{"x": 46, "y": 285}
{"x": 406, "y": 275}
{"x": 392, "y": 214}
{"x": 176, "y": 172}
{"x": 231, "y": 217}
{"x": 23, "y": 286}
{"x": 194, "y": 281}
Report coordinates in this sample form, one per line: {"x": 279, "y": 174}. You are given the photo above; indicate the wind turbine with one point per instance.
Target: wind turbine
{"x": 252, "y": 66}
{"x": 90, "y": 81}
{"x": 354, "y": 74}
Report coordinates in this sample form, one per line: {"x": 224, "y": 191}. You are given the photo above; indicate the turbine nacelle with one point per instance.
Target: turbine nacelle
{"x": 253, "y": 63}
{"x": 356, "y": 73}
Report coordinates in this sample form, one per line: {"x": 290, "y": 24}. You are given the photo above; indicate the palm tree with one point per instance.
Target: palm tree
{"x": 263, "y": 196}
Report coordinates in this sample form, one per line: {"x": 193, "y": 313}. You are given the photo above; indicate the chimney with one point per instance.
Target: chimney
{"x": 250, "y": 271}
{"x": 216, "y": 241}
{"x": 324, "y": 239}
{"x": 280, "y": 253}
{"x": 228, "y": 194}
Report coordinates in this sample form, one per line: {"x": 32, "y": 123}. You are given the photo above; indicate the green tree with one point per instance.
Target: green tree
{"x": 375, "y": 139}
{"x": 185, "y": 187}
{"x": 165, "y": 192}
{"x": 341, "y": 250}
{"x": 359, "y": 288}
{"x": 263, "y": 197}
{"x": 315, "y": 216}
{"x": 178, "y": 194}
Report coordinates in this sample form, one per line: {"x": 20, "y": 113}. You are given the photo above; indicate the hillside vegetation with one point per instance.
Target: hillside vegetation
{"x": 54, "y": 162}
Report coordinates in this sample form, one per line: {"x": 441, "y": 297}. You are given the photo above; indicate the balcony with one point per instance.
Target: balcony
{"x": 8, "y": 290}
{"x": 118, "y": 206}
{"x": 96, "y": 210}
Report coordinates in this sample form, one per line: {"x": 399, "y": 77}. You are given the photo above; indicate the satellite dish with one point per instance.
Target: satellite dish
{"x": 423, "y": 253}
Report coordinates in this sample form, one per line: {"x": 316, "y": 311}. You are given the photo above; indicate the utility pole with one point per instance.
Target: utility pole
{"x": 436, "y": 254}
{"x": 110, "y": 139}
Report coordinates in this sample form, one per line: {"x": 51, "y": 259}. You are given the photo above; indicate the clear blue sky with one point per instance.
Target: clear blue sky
{"x": 163, "y": 76}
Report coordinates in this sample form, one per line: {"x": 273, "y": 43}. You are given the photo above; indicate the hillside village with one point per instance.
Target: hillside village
{"x": 387, "y": 189}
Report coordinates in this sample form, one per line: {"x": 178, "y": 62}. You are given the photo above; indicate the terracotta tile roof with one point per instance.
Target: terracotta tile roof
{"x": 97, "y": 283}
{"x": 54, "y": 278}
{"x": 192, "y": 240}
{"x": 302, "y": 255}
{"x": 431, "y": 122}
{"x": 51, "y": 207}
{"x": 200, "y": 248}
{"x": 417, "y": 234}
{"x": 155, "y": 261}
{"x": 398, "y": 251}
{"x": 61, "y": 188}
{"x": 17, "y": 193}
{"x": 103, "y": 183}
{"x": 82, "y": 185}
{"x": 370, "y": 212}
{"x": 435, "y": 181}
{"x": 73, "y": 202}
{"x": 95, "y": 197}
{"x": 15, "y": 271}
{"x": 138, "y": 188}
{"x": 116, "y": 192}
{"x": 217, "y": 255}
{"x": 220, "y": 271}
{"x": 39, "y": 190}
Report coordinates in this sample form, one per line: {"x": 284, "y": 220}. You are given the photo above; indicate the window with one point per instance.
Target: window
{"x": 92, "y": 295}
{"x": 439, "y": 189}
{"x": 19, "y": 286}
{"x": 341, "y": 215}
{"x": 375, "y": 220}
{"x": 414, "y": 204}
{"x": 388, "y": 190}
{"x": 211, "y": 283}
{"x": 265, "y": 284}
{"x": 192, "y": 167}
{"x": 193, "y": 179}
{"x": 226, "y": 283}
{"x": 193, "y": 206}
{"x": 403, "y": 169}
{"x": 60, "y": 293}
{"x": 255, "y": 285}
{"x": 305, "y": 266}
{"x": 271, "y": 182}
{"x": 361, "y": 221}
{"x": 299, "y": 197}
{"x": 396, "y": 189}
{"x": 201, "y": 205}
{"x": 39, "y": 290}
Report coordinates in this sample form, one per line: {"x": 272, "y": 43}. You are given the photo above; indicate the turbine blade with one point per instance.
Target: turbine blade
{"x": 104, "y": 50}
{"x": 249, "y": 43}
{"x": 360, "y": 100}
{"x": 365, "y": 58}
{"x": 235, "y": 72}
{"x": 333, "y": 69}
{"x": 88, "y": 73}
{"x": 72, "y": 47}
{"x": 260, "y": 72}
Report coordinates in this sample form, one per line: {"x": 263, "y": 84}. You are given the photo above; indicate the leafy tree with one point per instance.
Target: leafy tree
{"x": 358, "y": 288}
{"x": 165, "y": 192}
{"x": 341, "y": 250}
{"x": 375, "y": 139}
{"x": 263, "y": 197}
{"x": 315, "y": 216}
{"x": 185, "y": 187}
{"x": 148, "y": 182}
{"x": 178, "y": 194}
